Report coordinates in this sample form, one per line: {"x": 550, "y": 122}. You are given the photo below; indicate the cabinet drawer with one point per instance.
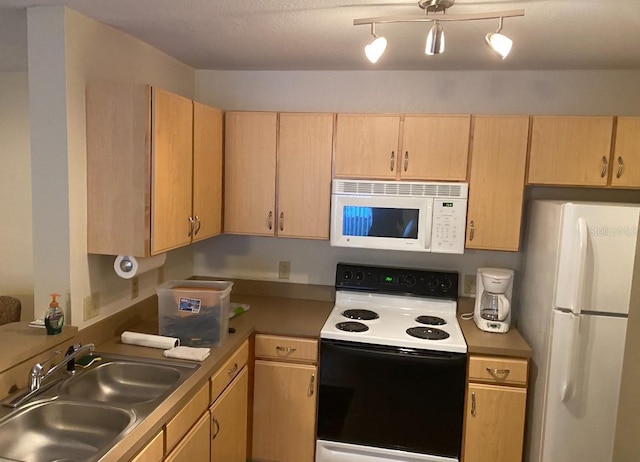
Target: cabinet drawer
{"x": 177, "y": 427}
{"x": 229, "y": 370}
{"x": 498, "y": 370}
{"x": 286, "y": 348}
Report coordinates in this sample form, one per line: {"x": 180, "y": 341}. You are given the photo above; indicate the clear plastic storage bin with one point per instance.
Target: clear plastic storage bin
{"x": 196, "y": 312}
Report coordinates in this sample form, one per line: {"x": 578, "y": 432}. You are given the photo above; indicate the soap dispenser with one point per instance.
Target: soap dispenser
{"x": 54, "y": 318}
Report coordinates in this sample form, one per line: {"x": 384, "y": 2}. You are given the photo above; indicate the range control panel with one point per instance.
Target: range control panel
{"x": 391, "y": 280}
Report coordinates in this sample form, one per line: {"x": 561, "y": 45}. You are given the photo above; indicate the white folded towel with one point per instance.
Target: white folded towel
{"x": 185, "y": 352}
{"x": 148, "y": 340}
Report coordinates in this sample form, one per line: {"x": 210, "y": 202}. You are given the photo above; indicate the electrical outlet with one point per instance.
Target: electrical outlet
{"x": 135, "y": 287}
{"x": 284, "y": 269}
{"x": 91, "y": 306}
{"x": 470, "y": 284}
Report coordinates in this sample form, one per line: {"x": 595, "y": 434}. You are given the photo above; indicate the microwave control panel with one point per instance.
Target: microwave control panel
{"x": 449, "y": 224}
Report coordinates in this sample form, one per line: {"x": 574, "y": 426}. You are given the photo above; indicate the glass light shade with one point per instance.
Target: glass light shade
{"x": 375, "y": 49}
{"x": 435, "y": 40}
{"x": 499, "y": 43}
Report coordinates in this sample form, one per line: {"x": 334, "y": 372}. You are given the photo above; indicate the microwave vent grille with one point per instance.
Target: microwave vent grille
{"x": 381, "y": 188}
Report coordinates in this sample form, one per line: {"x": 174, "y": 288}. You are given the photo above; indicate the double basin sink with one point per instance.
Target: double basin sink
{"x": 80, "y": 417}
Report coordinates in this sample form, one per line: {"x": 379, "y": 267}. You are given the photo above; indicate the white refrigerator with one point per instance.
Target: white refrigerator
{"x": 579, "y": 269}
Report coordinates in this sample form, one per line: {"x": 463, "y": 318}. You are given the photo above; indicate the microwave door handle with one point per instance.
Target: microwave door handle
{"x": 428, "y": 224}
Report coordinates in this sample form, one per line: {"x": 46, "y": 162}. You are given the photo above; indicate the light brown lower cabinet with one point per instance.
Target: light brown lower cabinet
{"x": 153, "y": 451}
{"x": 495, "y": 409}
{"x": 195, "y": 446}
{"x": 284, "y": 412}
{"x": 229, "y": 421}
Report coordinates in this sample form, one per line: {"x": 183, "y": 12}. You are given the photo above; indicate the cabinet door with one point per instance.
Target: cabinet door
{"x": 172, "y": 165}
{"x": 207, "y": 171}
{"x": 570, "y": 150}
{"x": 494, "y": 426}
{"x": 229, "y": 422}
{"x": 625, "y": 166}
{"x": 304, "y": 175}
{"x": 496, "y": 183}
{"x": 195, "y": 445}
{"x": 118, "y": 169}
{"x": 435, "y": 147}
{"x": 153, "y": 451}
{"x": 250, "y": 173}
{"x": 367, "y": 146}
{"x": 284, "y": 412}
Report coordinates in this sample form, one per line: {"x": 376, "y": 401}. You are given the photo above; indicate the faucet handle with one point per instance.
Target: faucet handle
{"x": 35, "y": 376}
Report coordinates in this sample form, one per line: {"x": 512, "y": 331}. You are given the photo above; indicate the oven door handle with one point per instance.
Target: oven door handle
{"x": 404, "y": 353}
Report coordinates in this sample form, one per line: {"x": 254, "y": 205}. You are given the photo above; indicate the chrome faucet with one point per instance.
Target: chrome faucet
{"x": 36, "y": 376}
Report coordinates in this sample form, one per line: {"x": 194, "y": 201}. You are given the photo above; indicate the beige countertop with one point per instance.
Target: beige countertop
{"x": 19, "y": 342}
{"x": 489, "y": 343}
{"x": 269, "y": 315}
{"x": 288, "y": 313}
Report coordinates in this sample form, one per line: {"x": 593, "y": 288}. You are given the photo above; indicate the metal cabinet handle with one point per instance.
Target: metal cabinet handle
{"x": 191, "y": 222}
{"x": 311, "y": 385}
{"x": 473, "y": 403}
{"x": 270, "y": 220}
{"x": 498, "y": 374}
{"x": 393, "y": 160}
{"x": 198, "y": 225}
{"x": 215, "y": 422}
{"x": 605, "y": 166}
{"x": 406, "y": 160}
{"x": 281, "y": 221}
{"x": 233, "y": 370}
{"x": 286, "y": 349}
{"x": 472, "y": 229}
{"x": 620, "y": 167}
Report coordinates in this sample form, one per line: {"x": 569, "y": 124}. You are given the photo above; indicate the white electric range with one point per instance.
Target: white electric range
{"x": 392, "y": 368}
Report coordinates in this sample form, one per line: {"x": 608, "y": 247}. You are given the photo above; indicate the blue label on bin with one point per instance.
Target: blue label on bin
{"x": 190, "y": 305}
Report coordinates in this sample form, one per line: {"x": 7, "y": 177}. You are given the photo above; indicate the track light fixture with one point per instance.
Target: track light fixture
{"x": 498, "y": 42}
{"x": 435, "y": 40}
{"x": 377, "y": 46}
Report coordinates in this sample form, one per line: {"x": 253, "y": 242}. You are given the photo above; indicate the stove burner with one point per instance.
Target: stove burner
{"x": 360, "y": 315}
{"x": 431, "y": 320}
{"x": 352, "y": 326}
{"x": 427, "y": 333}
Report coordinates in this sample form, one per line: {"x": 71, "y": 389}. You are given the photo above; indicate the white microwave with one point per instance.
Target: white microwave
{"x": 411, "y": 216}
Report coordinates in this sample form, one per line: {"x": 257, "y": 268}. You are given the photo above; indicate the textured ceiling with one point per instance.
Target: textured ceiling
{"x": 320, "y": 35}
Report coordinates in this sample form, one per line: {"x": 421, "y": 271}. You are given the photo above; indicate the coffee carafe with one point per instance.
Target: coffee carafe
{"x": 493, "y": 299}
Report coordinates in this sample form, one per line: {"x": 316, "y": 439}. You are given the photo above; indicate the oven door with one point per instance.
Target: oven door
{"x": 394, "y": 398}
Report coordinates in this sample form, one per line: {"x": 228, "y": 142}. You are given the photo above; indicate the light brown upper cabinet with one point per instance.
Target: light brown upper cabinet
{"x": 296, "y": 146}
{"x": 409, "y": 147}
{"x": 142, "y": 194}
{"x": 250, "y": 173}
{"x": 570, "y": 151}
{"x": 367, "y": 146}
{"x": 304, "y": 175}
{"x": 435, "y": 147}
{"x": 207, "y": 171}
{"x": 625, "y": 163}
{"x": 496, "y": 184}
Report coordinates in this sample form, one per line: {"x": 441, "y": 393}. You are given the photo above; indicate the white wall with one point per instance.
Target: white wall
{"x": 478, "y": 92}
{"x": 16, "y": 251}
{"x": 67, "y": 50}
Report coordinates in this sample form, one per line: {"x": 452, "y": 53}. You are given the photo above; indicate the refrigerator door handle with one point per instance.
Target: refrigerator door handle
{"x": 583, "y": 236}
{"x": 571, "y": 370}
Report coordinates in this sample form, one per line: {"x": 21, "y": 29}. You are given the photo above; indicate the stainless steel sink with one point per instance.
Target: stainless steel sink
{"x": 61, "y": 431}
{"x": 80, "y": 417}
{"x": 122, "y": 382}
